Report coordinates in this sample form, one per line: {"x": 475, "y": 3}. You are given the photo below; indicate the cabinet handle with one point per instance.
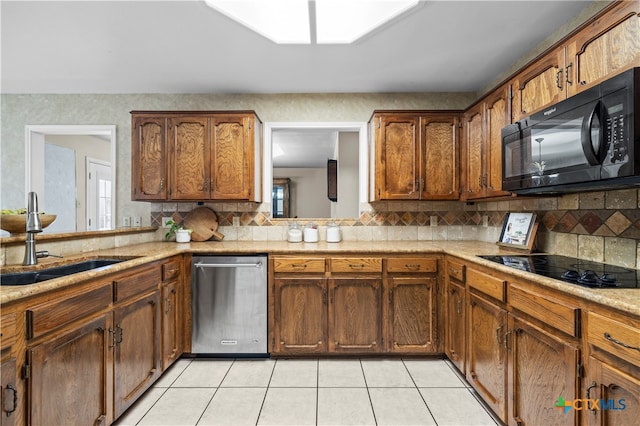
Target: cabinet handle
{"x": 619, "y": 342}
{"x": 356, "y": 265}
{"x": 299, "y": 265}
{"x": 324, "y": 296}
{"x": 505, "y": 340}
{"x": 167, "y": 309}
{"x": 162, "y": 183}
{"x": 566, "y": 73}
{"x": 414, "y": 266}
{"x": 459, "y": 307}
{"x": 558, "y": 77}
{"x": 8, "y": 398}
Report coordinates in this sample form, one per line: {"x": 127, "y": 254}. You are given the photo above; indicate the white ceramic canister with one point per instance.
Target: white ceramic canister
{"x": 333, "y": 233}
{"x": 310, "y": 233}
{"x": 295, "y": 233}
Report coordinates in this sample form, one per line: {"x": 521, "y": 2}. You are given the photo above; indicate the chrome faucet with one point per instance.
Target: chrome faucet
{"x": 33, "y": 227}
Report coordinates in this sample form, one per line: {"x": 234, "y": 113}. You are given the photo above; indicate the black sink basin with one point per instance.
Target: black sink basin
{"x": 21, "y": 278}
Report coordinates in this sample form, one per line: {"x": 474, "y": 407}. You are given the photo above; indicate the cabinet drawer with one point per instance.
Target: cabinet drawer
{"x": 456, "y": 270}
{"x": 7, "y": 330}
{"x": 553, "y": 313}
{"x": 412, "y": 264}
{"x": 136, "y": 283}
{"x": 298, "y": 264}
{"x": 171, "y": 270}
{"x": 58, "y": 312}
{"x": 489, "y": 285}
{"x": 356, "y": 264}
{"x": 615, "y": 337}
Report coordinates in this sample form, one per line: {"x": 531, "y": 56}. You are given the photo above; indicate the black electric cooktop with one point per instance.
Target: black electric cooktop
{"x": 572, "y": 270}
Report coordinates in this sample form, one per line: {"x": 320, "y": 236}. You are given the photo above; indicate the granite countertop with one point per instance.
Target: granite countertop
{"x": 627, "y": 300}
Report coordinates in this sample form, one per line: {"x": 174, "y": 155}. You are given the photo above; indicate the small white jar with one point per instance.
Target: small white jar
{"x": 333, "y": 233}
{"x": 183, "y": 235}
{"x": 295, "y": 233}
{"x": 310, "y": 234}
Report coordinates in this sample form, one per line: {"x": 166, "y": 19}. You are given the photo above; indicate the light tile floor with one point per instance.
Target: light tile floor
{"x": 309, "y": 392}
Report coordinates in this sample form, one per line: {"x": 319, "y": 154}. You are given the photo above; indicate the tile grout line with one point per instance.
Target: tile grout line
{"x": 264, "y": 398}
{"x": 419, "y": 393}
{"x": 364, "y": 375}
{"x": 215, "y": 392}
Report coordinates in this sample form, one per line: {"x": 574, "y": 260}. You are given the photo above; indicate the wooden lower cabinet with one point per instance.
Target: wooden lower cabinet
{"x": 137, "y": 350}
{"x": 614, "y": 395}
{"x": 171, "y": 323}
{"x": 487, "y": 355}
{"x": 300, "y": 315}
{"x": 8, "y": 392}
{"x": 411, "y": 322}
{"x": 355, "y": 315}
{"x": 542, "y": 368}
{"x": 455, "y": 326}
{"x": 69, "y": 376}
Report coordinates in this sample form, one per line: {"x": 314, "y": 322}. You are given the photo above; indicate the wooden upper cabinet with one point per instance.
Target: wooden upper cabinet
{"x": 540, "y": 84}
{"x": 482, "y": 145}
{"x": 473, "y": 152}
{"x": 608, "y": 46}
{"x": 397, "y": 156}
{"x": 207, "y": 155}
{"x": 149, "y": 158}
{"x": 189, "y": 142}
{"x": 232, "y": 158}
{"x": 415, "y": 155}
{"x": 439, "y": 144}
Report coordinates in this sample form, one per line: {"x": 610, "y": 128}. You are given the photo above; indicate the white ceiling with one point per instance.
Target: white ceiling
{"x": 187, "y": 47}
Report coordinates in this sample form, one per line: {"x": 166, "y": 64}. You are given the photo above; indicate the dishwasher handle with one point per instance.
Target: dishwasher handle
{"x": 228, "y": 265}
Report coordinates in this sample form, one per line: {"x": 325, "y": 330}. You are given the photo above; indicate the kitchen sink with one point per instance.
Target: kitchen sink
{"x": 31, "y": 277}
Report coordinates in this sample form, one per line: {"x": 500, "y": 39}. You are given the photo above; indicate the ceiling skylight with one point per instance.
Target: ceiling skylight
{"x": 307, "y": 21}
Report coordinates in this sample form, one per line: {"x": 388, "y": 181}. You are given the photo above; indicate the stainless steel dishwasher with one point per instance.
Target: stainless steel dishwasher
{"x": 229, "y": 305}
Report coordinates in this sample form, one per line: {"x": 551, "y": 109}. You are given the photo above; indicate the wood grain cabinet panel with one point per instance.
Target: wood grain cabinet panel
{"x": 456, "y": 330}
{"x": 494, "y": 286}
{"x": 542, "y": 367}
{"x": 615, "y": 337}
{"x": 137, "y": 349}
{"x": 190, "y": 158}
{"x": 415, "y": 155}
{"x": 7, "y": 329}
{"x": 356, "y": 264}
{"x": 69, "y": 375}
{"x": 149, "y": 158}
{"x": 607, "y": 46}
{"x": 9, "y": 393}
{"x": 355, "y": 315}
{"x": 615, "y": 392}
{"x": 300, "y": 315}
{"x": 299, "y": 264}
{"x": 487, "y": 355}
{"x": 412, "y": 314}
{"x": 412, "y": 265}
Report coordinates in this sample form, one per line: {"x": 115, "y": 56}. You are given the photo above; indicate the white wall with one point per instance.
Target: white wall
{"x": 348, "y": 205}
{"x": 307, "y": 191}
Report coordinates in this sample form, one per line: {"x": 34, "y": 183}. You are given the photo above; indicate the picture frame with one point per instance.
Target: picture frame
{"x": 518, "y": 231}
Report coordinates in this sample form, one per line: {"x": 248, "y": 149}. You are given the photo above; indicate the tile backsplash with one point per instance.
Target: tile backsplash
{"x": 599, "y": 226}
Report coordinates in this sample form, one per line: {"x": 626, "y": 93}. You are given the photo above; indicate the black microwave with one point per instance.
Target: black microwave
{"x": 590, "y": 141}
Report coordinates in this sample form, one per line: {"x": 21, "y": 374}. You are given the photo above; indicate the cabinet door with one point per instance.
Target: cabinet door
{"x": 171, "y": 347}
{"x": 300, "y": 314}
{"x": 355, "y": 314}
{"x": 611, "y": 44}
{"x": 456, "y": 331}
{"x": 71, "y": 367}
{"x": 540, "y": 84}
{"x": 190, "y": 158}
{"x": 412, "y": 316}
{"x": 398, "y": 155}
{"x": 498, "y": 114}
{"x": 473, "y": 153}
{"x": 617, "y": 395}
{"x": 149, "y": 158}
{"x": 487, "y": 363}
{"x": 232, "y": 159}
{"x": 137, "y": 354}
{"x": 9, "y": 392}
{"x": 542, "y": 368}
{"x": 439, "y": 175}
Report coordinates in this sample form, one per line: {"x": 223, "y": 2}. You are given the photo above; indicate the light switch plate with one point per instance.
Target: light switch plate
{"x": 126, "y": 221}
{"x": 137, "y": 221}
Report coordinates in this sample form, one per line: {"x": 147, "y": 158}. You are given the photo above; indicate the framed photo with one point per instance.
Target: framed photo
{"x": 518, "y": 231}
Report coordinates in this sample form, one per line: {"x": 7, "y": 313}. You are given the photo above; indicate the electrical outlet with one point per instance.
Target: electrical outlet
{"x": 485, "y": 221}
{"x": 126, "y": 221}
{"x": 236, "y": 221}
{"x": 433, "y": 220}
{"x": 166, "y": 219}
{"x": 137, "y": 221}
